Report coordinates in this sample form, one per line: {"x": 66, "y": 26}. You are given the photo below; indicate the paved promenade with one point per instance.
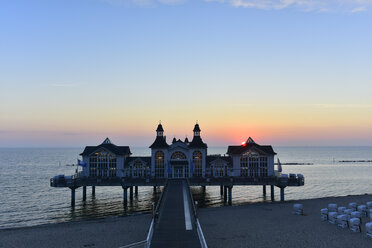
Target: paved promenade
{"x": 176, "y": 227}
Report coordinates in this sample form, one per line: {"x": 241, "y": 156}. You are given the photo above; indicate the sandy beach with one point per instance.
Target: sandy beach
{"x": 273, "y": 225}
{"x": 253, "y": 225}
{"x": 109, "y": 232}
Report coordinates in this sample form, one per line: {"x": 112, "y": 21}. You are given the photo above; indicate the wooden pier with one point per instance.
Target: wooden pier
{"x": 127, "y": 183}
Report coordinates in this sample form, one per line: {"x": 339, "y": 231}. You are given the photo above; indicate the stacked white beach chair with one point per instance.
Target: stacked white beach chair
{"x": 349, "y": 217}
{"x": 298, "y": 209}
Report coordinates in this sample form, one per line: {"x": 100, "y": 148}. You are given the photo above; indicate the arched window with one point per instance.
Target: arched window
{"x": 178, "y": 155}
{"x": 159, "y": 164}
{"x": 137, "y": 169}
{"x": 197, "y": 160}
{"x": 102, "y": 164}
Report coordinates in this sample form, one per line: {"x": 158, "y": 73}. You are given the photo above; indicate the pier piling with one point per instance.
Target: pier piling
{"x": 136, "y": 190}
{"x": 72, "y": 197}
{"x": 203, "y": 189}
{"x": 224, "y": 193}
{"x": 221, "y": 190}
{"x": 230, "y": 194}
{"x": 282, "y": 193}
{"x": 84, "y": 193}
{"x": 264, "y": 190}
{"x": 131, "y": 193}
{"x": 272, "y": 192}
{"x": 154, "y": 189}
{"x": 125, "y": 195}
{"x": 93, "y": 190}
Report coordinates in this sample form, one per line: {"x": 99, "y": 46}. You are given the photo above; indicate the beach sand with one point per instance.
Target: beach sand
{"x": 109, "y": 232}
{"x": 273, "y": 225}
{"x": 254, "y": 225}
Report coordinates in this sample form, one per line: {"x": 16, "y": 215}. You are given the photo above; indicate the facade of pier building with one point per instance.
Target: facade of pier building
{"x": 180, "y": 159}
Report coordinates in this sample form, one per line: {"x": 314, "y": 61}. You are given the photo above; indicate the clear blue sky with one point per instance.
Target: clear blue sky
{"x": 285, "y": 72}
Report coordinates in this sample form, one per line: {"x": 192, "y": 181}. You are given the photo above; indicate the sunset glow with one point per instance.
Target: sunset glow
{"x": 290, "y": 77}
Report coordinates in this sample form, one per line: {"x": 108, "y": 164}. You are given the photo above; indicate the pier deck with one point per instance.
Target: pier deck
{"x": 176, "y": 226}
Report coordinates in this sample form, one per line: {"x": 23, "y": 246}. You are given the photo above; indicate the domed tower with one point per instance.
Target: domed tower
{"x": 159, "y": 153}
{"x": 198, "y": 151}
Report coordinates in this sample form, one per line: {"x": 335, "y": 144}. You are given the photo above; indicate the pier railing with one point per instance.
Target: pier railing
{"x": 79, "y": 179}
{"x": 203, "y": 243}
{"x": 155, "y": 216}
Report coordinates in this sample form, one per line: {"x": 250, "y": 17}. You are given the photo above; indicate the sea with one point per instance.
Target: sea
{"x": 26, "y": 198}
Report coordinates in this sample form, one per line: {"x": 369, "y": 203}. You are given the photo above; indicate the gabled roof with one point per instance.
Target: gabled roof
{"x": 197, "y": 142}
{"x": 234, "y": 150}
{"x": 117, "y": 150}
{"x": 160, "y": 142}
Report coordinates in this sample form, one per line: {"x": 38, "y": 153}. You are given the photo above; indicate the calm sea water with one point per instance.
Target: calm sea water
{"x": 26, "y": 198}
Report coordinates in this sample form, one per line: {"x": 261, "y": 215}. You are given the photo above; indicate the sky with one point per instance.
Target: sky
{"x": 289, "y": 72}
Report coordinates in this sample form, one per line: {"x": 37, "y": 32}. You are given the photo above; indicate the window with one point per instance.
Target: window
{"x": 137, "y": 170}
{"x": 198, "y": 163}
{"x": 244, "y": 166}
{"x": 219, "y": 169}
{"x": 102, "y": 164}
{"x": 253, "y": 165}
{"x": 263, "y": 166}
{"x": 178, "y": 155}
{"x": 159, "y": 164}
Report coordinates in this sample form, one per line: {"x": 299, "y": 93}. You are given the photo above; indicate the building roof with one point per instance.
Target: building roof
{"x": 211, "y": 158}
{"x": 160, "y": 142}
{"x": 246, "y": 146}
{"x": 197, "y": 142}
{"x": 146, "y": 159}
{"x": 117, "y": 150}
{"x": 160, "y": 128}
{"x": 196, "y": 128}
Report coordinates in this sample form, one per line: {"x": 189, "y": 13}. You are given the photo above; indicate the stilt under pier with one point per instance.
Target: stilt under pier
{"x": 264, "y": 190}
{"x": 272, "y": 192}
{"x": 154, "y": 189}
{"x": 73, "y": 196}
{"x": 93, "y": 190}
{"x": 224, "y": 193}
{"x": 221, "y": 190}
{"x": 131, "y": 193}
{"x": 230, "y": 194}
{"x": 203, "y": 188}
{"x": 84, "y": 193}
{"x": 125, "y": 195}
{"x": 282, "y": 193}
{"x": 136, "y": 190}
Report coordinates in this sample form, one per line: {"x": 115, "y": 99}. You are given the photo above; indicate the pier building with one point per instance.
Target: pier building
{"x": 108, "y": 164}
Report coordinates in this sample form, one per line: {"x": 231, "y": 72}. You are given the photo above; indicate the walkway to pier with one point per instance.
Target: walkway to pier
{"x": 176, "y": 226}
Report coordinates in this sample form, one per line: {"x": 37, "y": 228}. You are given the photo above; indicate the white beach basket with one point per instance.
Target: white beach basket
{"x": 363, "y": 210}
{"x": 342, "y": 220}
{"x": 298, "y": 209}
{"x": 332, "y": 217}
{"x": 354, "y": 225}
{"x": 341, "y": 210}
{"x": 332, "y": 207}
{"x": 353, "y": 206}
{"x": 324, "y": 214}
{"x": 369, "y": 229}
